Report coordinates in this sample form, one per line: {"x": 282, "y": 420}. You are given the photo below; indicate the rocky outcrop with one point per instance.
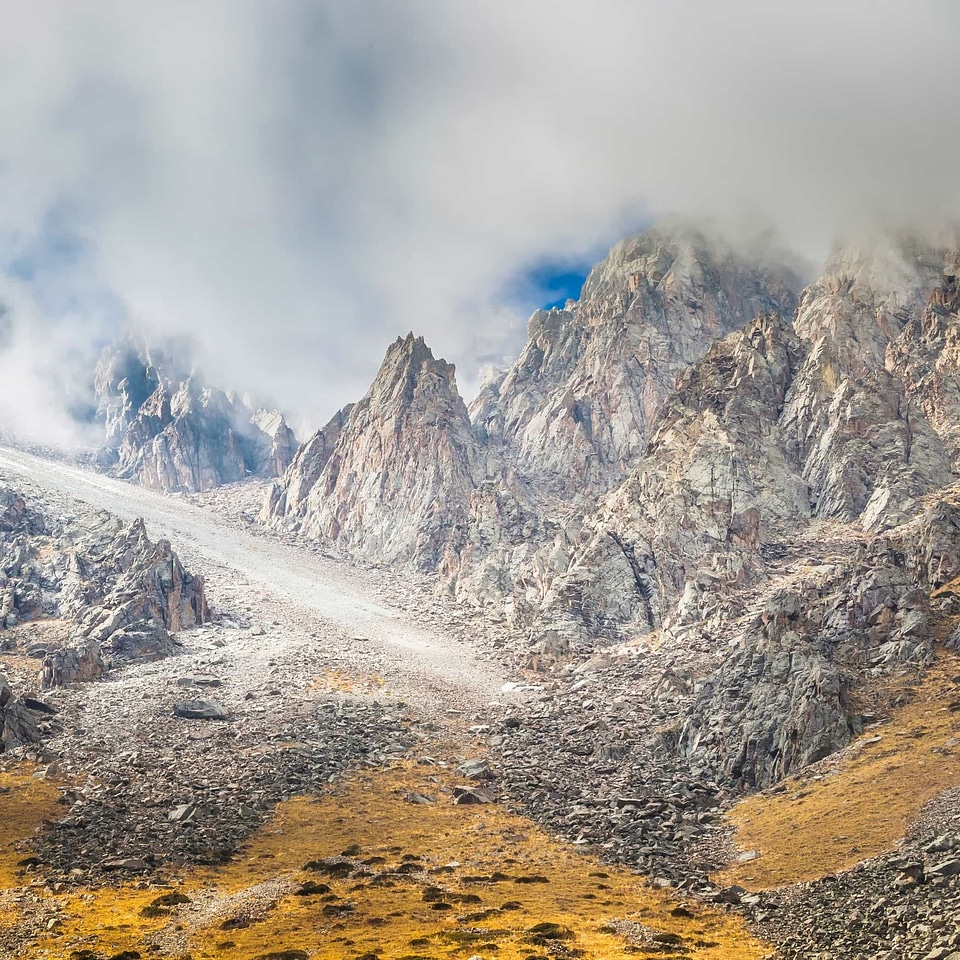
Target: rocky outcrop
{"x": 169, "y": 431}
{"x": 276, "y": 458}
{"x": 925, "y": 357}
{"x": 18, "y": 728}
{"x": 779, "y": 424}
{"x": 20, "y": 596}
{"x": 284, "y": 498}
{"x": 135, "y": 594}
{"x": 785, "y": 696}
{"x": 117, "y": 595}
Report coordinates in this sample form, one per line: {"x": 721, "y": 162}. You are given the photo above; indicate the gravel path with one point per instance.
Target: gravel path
{"x": 320, "y": 670}
{"x": 292, "y": 590}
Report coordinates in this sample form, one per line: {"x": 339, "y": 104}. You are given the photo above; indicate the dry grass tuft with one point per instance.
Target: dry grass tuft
{"x": 861, "y": 803}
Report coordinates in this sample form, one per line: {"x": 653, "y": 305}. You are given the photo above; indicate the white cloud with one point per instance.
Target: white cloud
{"x": 296, "y": 183}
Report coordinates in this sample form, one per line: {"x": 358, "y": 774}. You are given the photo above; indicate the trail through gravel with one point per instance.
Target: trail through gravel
{"x": 290, "y": 589}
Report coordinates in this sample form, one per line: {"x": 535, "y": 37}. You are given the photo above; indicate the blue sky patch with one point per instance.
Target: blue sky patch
{"x": 547, "y": 285}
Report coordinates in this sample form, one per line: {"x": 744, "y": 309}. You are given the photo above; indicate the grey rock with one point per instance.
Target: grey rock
{"x": 945, "y": 868}
{"x": 406, "y": 447}
{"x": 17, "y": 725}
{"x": 200, "y": 710}
{"x": 478, "y": 769}
{"x": 199, "y": 680}
{"x": 135, "y": 595}
{"x": 182, "y": 813}
{"x": 128, "y": 865}
{"x": 473, "y": 795}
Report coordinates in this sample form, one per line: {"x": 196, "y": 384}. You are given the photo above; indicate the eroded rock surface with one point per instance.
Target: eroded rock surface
{"x": 103, "y": 592}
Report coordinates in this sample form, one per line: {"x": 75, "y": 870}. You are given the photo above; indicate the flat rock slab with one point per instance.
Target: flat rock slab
{"x": 200, "y": 710}
{"x": 464, "y": 795}
{"x": 199, "y": 680}
{"x": 182, "y": 813}
{"x": 132, "y": 864}
{"x": 476, "y": 770}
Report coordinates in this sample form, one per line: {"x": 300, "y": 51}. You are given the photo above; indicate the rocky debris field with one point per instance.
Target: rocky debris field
{"x": 173, "y": 760}
{"x": 309, "y": 671}
{"x": 901, "y": 906}
{"x": 601, "y": 750}
{"x": 152, "y": 789}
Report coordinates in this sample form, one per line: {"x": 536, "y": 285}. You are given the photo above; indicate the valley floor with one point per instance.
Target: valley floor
{"x": 320, "y": 821}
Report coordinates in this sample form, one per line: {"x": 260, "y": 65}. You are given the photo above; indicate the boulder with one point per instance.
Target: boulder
{"x": 200, "y": 710}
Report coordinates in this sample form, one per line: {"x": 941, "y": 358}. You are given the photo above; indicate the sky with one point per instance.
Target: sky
{"x": 295, "y": 183}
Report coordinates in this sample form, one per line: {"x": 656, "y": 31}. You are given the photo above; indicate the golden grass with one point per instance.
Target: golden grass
{"x": 25, "y": 802}
{"x": 472, "y": 860}
{"x": 860, "y": 804}
{"x": 337, "y": 681}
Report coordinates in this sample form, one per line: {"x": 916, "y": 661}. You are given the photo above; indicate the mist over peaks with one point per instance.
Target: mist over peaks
{"x": 294, "y": 184}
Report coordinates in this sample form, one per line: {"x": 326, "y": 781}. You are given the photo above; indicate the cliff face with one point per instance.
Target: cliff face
{"x": 392, "y": 476}
{"x": 168, "y": 431}
{"x": 576, "y": 408}
{"x": 797, "y": 502}
{"x": 714, "y": 487}
{"x": 867, "y": 447}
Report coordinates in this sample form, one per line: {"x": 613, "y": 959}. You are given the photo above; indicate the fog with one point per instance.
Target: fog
{"x": 293, "y": 184}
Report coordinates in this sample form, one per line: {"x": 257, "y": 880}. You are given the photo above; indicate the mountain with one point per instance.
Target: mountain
{"x": 392, "y": 476}
{"x": 560, "y": 427}
{"x": 698, "y": 454}
{"x": 168, "y": 431}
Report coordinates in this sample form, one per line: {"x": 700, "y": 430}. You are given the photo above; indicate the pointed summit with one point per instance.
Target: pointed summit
{"x": 396, "y": 480}
{"x": 579, "y": 402}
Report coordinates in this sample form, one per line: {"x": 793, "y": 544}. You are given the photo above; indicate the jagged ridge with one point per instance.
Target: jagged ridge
{"x": 168, "y": 431}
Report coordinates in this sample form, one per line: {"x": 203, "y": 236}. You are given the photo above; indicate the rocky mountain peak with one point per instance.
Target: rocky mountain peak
{"x": 392, "y": 476}
{"x": 167, "y": 429}
{"x": 867, "y": 291}
{"x": 579, "y": 402}
{"x": 410, "y": 376}
{"x": 869, "y": 413}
